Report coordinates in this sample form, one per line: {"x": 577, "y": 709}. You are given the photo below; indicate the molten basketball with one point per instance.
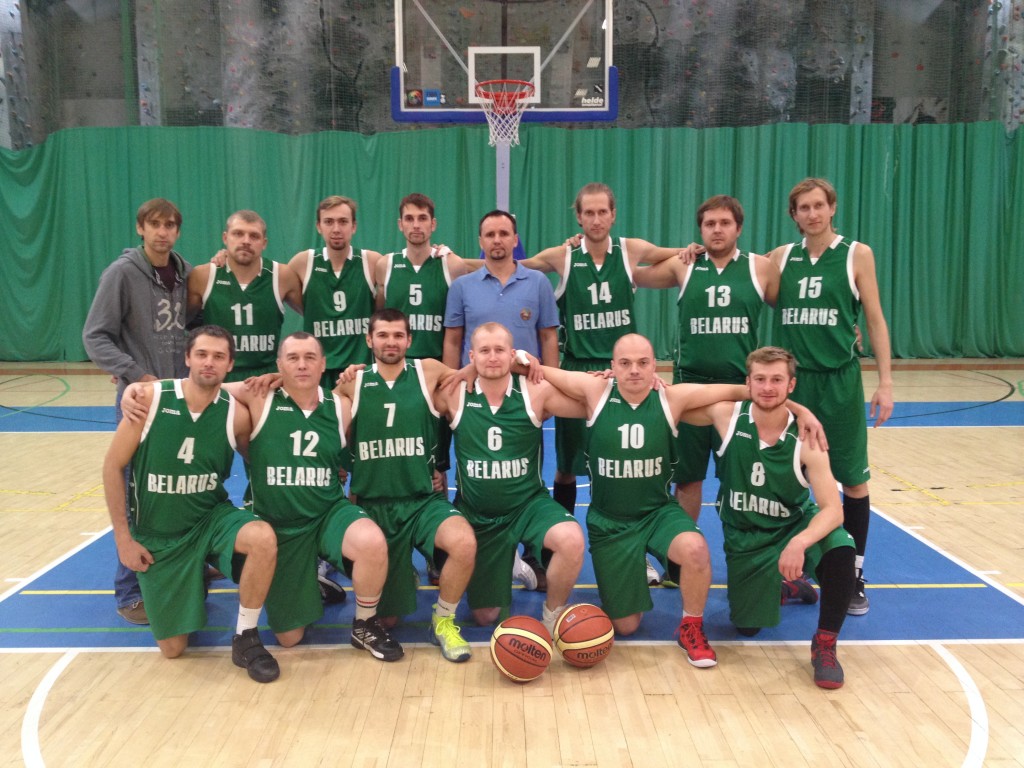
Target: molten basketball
{"x": 584, "y": 634}
{"x": 521, "y": 648}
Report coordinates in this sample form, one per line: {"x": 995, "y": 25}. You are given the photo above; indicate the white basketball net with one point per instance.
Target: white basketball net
{"x": 503, "y": 104}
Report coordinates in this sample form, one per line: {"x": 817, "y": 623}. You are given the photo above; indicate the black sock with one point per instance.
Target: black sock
{"x": 835, "y": 575}
{"x": 565, "y": 494}
{"x": 856, "y": 516}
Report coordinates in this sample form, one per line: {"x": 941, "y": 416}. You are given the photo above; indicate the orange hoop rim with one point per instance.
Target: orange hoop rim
{"x": 503, "y": 99}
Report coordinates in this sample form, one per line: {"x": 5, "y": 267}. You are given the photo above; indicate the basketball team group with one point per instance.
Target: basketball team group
{"x": 401, "y": 355}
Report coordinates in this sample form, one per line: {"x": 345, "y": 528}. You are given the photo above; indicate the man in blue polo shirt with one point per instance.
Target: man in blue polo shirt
{"x": 505, "y": 292}
{"x": 523, "y": 301}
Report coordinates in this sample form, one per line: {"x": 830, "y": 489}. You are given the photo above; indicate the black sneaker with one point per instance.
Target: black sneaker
{"x": 371, "y": 636}
{"x": 247, "y": 651}
{"x": 331, "y": 593}
{"x": 828, "y": 673}
{"x": 859, "y": 603}
{"x": 799, "y": 589}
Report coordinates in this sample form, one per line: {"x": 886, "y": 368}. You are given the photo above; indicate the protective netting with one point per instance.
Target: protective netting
{"x": 298, "y": 66}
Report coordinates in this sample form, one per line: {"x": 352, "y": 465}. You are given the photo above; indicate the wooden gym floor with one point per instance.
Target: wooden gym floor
{"x": 906, "y": 702}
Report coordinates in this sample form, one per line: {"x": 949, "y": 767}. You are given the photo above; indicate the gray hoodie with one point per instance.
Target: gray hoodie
{"x": 135, "y": 326}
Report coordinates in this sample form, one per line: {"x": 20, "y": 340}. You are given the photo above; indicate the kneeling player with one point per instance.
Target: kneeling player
{"x": 180, "y": 452}
{"x": 773, "y": 531}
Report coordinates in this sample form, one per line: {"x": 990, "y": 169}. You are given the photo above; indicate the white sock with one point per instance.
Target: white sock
{"x": 366, "y": 607}
{"x": 692, "y": 615}
{"x": 858, "y": 561}
{"x": 548, "y": 617}
{"x": 443, "y": 608}
{"x": 248, "y": 618}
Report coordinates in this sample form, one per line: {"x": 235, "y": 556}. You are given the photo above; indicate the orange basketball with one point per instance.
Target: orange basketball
{"x": 521, "y": 648}
{"x": 584, "y": 634}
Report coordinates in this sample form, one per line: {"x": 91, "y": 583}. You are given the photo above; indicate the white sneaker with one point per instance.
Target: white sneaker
{"x": 653, "y": 577}
{"x": 524, "y": 574}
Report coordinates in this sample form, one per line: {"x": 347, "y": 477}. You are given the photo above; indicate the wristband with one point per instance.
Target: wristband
{"x": 521, "y": 358}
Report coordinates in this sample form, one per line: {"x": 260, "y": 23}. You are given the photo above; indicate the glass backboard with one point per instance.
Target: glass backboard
{"x": 444, "y": 47}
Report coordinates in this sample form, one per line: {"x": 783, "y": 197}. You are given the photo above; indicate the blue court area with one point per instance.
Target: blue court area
{"x": 917, "y": 593}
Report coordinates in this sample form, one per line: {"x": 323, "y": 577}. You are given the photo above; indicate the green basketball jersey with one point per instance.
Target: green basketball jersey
{"x": 762, "y": 487}
{"x": 294, "y": 459}
{"x": 337, "y": 308}
{"x": 631, "y": 454}
{"x": 253, "y": 313}
{"x": 718, "y": 316}
{"x": 421, "y": 293}
{"x": 818, "y": 305}
{"x": 179, "y": 468}
{"x": 393, "y": 434}
{"x": 497, "y": 455}
{"x": 596, "y": 305}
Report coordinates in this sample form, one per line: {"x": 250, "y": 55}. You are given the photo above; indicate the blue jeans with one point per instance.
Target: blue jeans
{"x": 126, "y": 583}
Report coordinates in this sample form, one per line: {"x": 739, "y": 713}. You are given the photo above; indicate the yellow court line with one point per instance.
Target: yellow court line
{"x": 80, "y": 495}
{"x": 28, "y": 493}
{"x": 913, "y": 486}
{"x": 997, "y": 485}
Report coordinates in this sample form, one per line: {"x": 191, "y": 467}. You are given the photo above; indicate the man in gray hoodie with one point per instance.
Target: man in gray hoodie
{"x": 136, "y": 331}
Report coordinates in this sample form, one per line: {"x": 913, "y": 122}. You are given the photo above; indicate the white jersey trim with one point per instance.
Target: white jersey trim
{"x": 733, "y": 421}
{"x": 422, "y": 376}
{"x": 600, "y": 403}
{"x": 154, "y": 406}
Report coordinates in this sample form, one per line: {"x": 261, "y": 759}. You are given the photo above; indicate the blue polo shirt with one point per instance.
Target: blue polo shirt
{"x": 523, "y": 305}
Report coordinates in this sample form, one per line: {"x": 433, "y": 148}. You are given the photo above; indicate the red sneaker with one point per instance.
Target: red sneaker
{"x": 693, "y": 640}
{"x": 828, "y": 673}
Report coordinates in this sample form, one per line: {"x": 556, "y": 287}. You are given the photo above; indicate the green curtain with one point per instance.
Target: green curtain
{"x": 939, "y": 204}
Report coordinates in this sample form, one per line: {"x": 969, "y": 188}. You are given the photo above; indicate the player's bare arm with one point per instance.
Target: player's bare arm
{"x": 548, "y": 338}
{"x": 547, "y": 261}
{"x": 643, "y": 252}
{"x": 823, "y": 484}
{"x": 243, "y": 428}
{"x": 549, "y": 401}
{"x": 380, "y": 275}
{"x": 576, "y": 385}
{"x": 768, "y": 276}
{"x": 197, "y": 280}
{"x": 452, "y": 351}
{"x": 291, "y": 287}
{"x": 122, "y": 448}
{"x": 298, "y": 264}
{"x": 685, "y": 397}
{"x": 878, "y": 331}
{"x": 665, "y": 274}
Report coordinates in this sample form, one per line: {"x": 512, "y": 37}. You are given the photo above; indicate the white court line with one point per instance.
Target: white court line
{"x": 975, "y": 756}
{"x": 30, "y": 750}
{"x": 952, "y": 558}
{"x": 42, "y": 571}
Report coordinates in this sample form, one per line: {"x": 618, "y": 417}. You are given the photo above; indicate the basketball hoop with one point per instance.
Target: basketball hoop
{"x": 503, "y": 104}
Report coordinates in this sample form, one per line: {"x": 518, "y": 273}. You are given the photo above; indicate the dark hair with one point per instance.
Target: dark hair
{"x": 417, "y": 200}
{"x": 506, "y": 214}
{"x": 211, "y": 330}
{"x": 389, "y": 315}
{"x": 594, "y": 188}
{"x": 158, "y": 208}
{"x": 300, "y": 336}
{"x": 721, "y": 201}
{"x": 334, "y": 201}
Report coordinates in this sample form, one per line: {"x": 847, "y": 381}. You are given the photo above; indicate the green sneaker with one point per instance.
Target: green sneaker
{"x": 445, "y": 633}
